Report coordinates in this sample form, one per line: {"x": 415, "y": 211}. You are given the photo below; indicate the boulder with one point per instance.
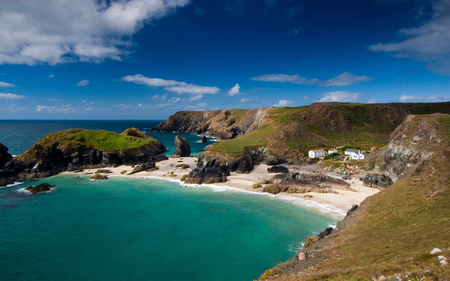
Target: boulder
{"x": 203, "y": 140}
{"x": 301, "y": 256}
{"x": 376, "y": 180}
{"x": 183, "y": 166}
{"x": 5, "y": 157}
{"x": 324, "y": 233}
{"x": 182, "y": 148}
{"x": 273, "y": 160}
{"x": 241, "y": 165}
{"x": 148, "y": 166}
{"x": 98, "y": 177}
{"x": 40, "y": 188}
{"x": 207, "y": 175}
{"x": 278, "y": 169}
{"x": 275, "y": 188}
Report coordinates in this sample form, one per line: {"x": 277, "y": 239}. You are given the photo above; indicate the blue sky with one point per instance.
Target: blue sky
{"x": 146, "y": 59}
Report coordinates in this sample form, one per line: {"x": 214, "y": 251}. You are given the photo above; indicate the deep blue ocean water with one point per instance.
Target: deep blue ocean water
{"x": 140, "y": 229}
{"x": 20, "y": 135}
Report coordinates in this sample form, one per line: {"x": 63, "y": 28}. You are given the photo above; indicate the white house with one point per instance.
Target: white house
{"x": 316, "y": 153}
{"x": 350, "y": 151}
{"x": 357, "y": 155}
{"x": 332, "y": 150}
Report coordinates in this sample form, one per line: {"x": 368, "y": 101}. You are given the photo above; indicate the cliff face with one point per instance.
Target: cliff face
{"x": 390, "y": 236}
{"x": 415, "y": 140}
{"x": 5, "y": 157}
{"x": 73, "y": 149}
{"x": 288, "y": 133}
{"x": 223, "y": 124}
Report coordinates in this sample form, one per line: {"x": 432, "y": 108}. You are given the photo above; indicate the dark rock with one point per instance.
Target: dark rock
{"x": 182, "y": 148}
{"x": 144, "y": 167}
{"x": 103, "y": 171}
{"x": 98, "y": 177}
{"x": 7, "y": 177}
{"x": 40, "y": 188}
{"x": 278, "y": 169}
{"x": 346, "y": 177}
{"x": 273, "y": 160}
{"x": 376, "y": 180}
{"x": 183, "y": 166}
{"x": 324, "y": 233}
{"x": 203, "y": 139}
{"x": 241, "y": 165}
{"x": 207, "y": 175}
{"x": 352, "y": 209}
{"x": 5, "y": 157}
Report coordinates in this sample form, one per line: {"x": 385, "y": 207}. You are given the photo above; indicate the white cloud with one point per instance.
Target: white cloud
{"x": 197, "y": 107}
{"x": 343, "y": 79}
{"x": 340, "y": 96}
{"x": 244, "y": 100}
{"x": 51, "y": 75}
{"x": 83, "y": 83}
{"x": 196, "y": 97}
{"x": 172, "y": 85}
{"x": 53, "y": 100}
{"x": 430, "y": 42}
{"x": 283, "y": 103}
{"x": 234, "y": 91}
{"x": 7, "y": 85}
{"x": 174, "y": 100}
{"x": 282, "y": 78}
{"x": 11, "y": 96}
{"x": 434, "y": 98}
{"x": 62, "y": 108}
{"x": 155, "y": 97}
{"x": 59, "y": 31}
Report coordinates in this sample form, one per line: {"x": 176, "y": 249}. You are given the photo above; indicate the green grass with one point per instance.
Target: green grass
{"x": 446, "y": 122}
{"x": 102, "y": 140}
{"x": 236, "y": 147}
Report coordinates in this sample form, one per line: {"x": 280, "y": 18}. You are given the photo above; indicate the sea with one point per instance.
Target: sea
{"x": 139, "y": 228}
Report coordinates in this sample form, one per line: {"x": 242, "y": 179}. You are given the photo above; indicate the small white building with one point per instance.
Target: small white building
{"x": 358, "y": 155}
{"x": 332, "y": 150}
{"x": 316, "y": 153}
{"x": 350, "y": 151}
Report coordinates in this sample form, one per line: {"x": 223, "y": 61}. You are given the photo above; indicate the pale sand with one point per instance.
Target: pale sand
{"x": 343, "y": 200}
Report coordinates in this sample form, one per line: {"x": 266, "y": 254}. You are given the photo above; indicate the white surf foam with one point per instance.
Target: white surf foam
{"x": 23, "y": 190}
{"x": 14, "y": 184}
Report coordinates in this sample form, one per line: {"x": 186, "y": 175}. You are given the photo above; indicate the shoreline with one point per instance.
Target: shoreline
{"x": 336, "y": 205}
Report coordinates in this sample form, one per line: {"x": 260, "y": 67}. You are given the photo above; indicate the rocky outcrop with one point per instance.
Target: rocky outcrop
{"x": 414, "y": 140}
{"x": 376, "y": 180}
{"x": 5, "y": 157}
{"x": 278, "y": 169}
{"x": 241, "y": 165}
{"x": 182, "y": 147}
{"x": 203, "y": 139}
{"x": 148, "y": 166}
{"x": 207, "y": 175}
{"x": 99, "y": 177}
{"x": 135, "y": 133}
{"x": 222, "y": 124}
{"x": 76, "y": 149}
{"x": 40, "y": 188}
{"x": 304, "y": 183}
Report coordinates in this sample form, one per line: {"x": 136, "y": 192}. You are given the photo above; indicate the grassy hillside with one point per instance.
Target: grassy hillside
{"x": 290, "y": 132}
{"x": 393, "y": 231}
{"x": 70, "y": 140}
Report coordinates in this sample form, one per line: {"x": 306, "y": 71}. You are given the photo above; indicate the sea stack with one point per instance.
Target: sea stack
{"x": 5, "y": 157}
{"x": 203, "y": 139}
{"x": 182, "y": 148}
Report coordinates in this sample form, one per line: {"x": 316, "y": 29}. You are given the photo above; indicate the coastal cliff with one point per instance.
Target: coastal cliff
{"x": 76, "y": 149}
{"x": 390, "y": 235}
{"x": 284, "y": 135}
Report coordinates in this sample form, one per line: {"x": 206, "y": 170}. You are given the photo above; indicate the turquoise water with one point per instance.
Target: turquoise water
{"x": 140, "y": 229}
{"x": 20, "y": 135}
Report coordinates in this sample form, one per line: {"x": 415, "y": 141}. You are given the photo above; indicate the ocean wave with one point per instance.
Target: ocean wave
{"x": 14, "y": 184}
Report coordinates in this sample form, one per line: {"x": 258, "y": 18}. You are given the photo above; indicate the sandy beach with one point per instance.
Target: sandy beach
{"x": 342, "y": 201}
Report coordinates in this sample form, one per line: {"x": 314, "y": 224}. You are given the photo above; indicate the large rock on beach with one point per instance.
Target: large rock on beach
{"x": 182, "y": 147}
{"x": 376, "y": 180}
{"x": 148, "y": 166}
{"x": 278, "y": 169}
{"x": 207, "y": 175}
{"x": 40, "y": 188}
